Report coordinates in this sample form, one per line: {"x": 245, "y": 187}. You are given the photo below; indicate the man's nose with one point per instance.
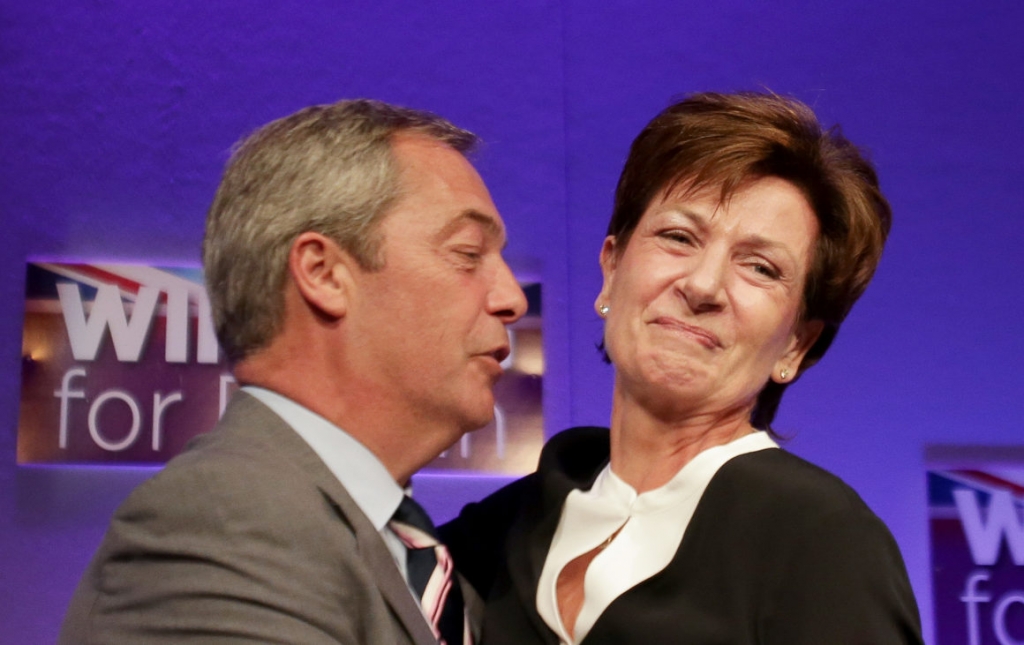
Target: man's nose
{"x": 508, "y": 301}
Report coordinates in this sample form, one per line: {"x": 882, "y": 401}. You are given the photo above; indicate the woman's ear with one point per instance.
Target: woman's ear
{"x": 804, "y": 336}
{"x": 321, "y": 272}
{"x": 609, "y": 260}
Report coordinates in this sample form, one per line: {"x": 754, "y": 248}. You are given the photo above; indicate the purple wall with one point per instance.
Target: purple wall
{"x": 116, "y": 118}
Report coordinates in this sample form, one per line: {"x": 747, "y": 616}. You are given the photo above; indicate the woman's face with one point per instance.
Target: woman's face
{"x": 704, "y": 301}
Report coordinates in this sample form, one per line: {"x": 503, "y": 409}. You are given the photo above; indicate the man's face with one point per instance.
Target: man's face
{"x": 428, "y": 328}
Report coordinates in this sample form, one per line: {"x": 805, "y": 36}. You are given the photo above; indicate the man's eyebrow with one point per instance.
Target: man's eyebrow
{"x": 490, "y": 225}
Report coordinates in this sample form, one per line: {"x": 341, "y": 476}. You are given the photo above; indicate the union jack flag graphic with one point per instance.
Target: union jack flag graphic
{"x": 976, "y": 522}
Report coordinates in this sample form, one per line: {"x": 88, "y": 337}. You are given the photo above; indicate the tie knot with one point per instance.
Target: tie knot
{"x": 411, "y": 515}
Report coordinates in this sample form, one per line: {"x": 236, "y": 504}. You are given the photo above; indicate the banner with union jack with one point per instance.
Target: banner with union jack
{"x": 120, "y": 364}
{"x": 976, "y": 522}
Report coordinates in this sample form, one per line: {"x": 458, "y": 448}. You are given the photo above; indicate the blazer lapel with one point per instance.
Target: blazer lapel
{"x": 378, "y": 558}
{"x": 529, "y": 541}
{"x": 563, "y": 467}
{"x": 246, "y": 413}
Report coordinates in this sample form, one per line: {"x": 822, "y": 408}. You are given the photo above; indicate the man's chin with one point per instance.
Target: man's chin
{"x": 480, "y": 416}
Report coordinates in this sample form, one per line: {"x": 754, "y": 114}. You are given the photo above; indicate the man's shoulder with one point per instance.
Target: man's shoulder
{"x": 244, "y": 468}
{"x": 218, "y": 470}
{"x": 232, "y": 540}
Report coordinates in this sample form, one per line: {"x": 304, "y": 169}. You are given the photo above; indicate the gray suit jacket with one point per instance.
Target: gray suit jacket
{"x": 245, "y": 537}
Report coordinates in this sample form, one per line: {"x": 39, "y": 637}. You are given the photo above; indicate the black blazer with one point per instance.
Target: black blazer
{"x": 779, "y": 552}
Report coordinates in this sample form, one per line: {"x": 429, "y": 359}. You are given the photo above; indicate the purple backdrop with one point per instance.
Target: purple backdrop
{"x": 116, "y": 118}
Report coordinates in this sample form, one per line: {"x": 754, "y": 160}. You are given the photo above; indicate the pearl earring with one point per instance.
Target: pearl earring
{"x": 784, "y": 374}
{"x": 603, "y": 310}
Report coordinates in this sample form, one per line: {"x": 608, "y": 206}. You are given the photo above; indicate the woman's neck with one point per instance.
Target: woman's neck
{"x": 647, "y": 450}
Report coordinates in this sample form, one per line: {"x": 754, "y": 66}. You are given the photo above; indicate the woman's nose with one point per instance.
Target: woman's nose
{"x": 703, "y": 284}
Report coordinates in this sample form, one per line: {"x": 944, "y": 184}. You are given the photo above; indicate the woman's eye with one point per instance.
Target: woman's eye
{"x": 678, "y": 236}
{"x": 766, "y": 270}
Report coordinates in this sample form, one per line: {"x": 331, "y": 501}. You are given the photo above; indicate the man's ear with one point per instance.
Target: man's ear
{"x": 321, "y": 271}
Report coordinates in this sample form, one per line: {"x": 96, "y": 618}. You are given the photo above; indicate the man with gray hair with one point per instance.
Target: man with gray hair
{"x": 353, "y": 261}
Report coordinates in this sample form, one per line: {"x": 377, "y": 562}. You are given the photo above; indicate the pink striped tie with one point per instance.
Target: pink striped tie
{"x": 431, "y": 573}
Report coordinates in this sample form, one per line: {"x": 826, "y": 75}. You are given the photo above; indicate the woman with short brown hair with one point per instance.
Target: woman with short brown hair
{"x": 741, "y": 237}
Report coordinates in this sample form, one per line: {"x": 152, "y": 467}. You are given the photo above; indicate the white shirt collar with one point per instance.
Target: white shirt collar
{"x": 646, "y": 543}
{"x": 371, "y": 486}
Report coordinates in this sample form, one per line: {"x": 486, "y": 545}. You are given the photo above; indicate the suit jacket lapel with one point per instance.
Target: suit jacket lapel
{"x": 563, "y": 467}
{"x": 378, "y": 558}
{"x": 247, "y": 414}
{"x": 529, "y": 541}
{"x": 531, "y": 548}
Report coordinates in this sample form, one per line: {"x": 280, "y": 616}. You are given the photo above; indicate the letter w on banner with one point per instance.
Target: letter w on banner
{"x": 120, "y": 363}
{"x": 976, "y": 522}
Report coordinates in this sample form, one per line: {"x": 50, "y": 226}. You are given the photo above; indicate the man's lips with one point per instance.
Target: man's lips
{"x": 701, "y": 335}
{"x": 501, "y": 353}
{"x": 498, "y": 353}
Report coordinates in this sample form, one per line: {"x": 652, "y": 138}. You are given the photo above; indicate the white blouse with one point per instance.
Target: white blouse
{"x": 652, "y": 526}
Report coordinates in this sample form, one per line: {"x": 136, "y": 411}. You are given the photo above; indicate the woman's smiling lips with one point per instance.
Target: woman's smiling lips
{"x": 701, "y": 335}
